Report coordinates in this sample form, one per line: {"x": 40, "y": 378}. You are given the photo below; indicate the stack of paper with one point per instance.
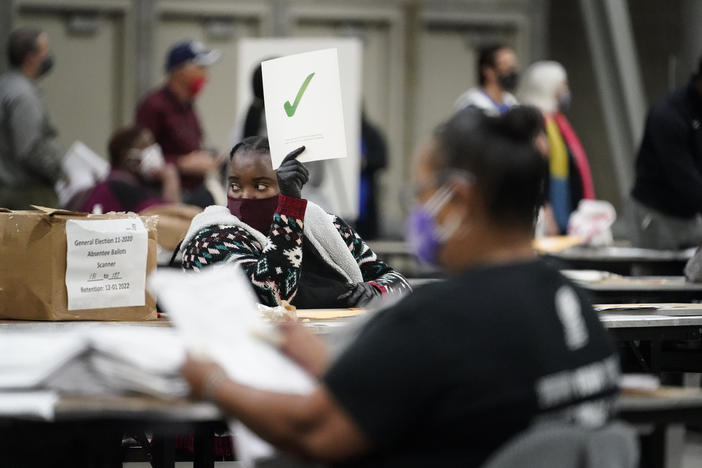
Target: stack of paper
{"x": 124, "y": 359}
{"x": 35, "y": 403}
{"x": 88, "y": 361}
{"x": 27, "y": 360}
{"x": 144, "y": 360}
{"x": 83, "y": 169}
{"x": 215, "y": 311}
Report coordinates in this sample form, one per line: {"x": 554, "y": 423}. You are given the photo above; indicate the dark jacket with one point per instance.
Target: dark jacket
{"x": 669, "y": 163}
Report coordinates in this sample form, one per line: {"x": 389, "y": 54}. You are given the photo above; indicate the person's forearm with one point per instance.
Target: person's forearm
{"x": 170, "y": 190}
{"x": 305, "y": 348}
{"x": 284, "y": 420}
{"x": 197, "y": 163}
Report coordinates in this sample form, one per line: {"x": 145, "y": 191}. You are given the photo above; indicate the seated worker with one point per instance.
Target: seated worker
{"x": 137, "y": 163}
{"x": 447, "y": 375}
{"x": 290, "y": 248}
{"x": 530, "y": 121}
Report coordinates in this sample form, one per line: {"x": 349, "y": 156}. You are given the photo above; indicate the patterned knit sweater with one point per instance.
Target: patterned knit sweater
{"x": 274, "y": 263}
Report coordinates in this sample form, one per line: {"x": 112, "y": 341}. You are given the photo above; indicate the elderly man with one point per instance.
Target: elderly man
{"x": 170, "y": 115}
{"x": 30, "y": 156}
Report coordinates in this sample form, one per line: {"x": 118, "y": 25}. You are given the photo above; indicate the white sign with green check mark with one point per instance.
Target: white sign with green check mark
{"x": 303, "y": 106}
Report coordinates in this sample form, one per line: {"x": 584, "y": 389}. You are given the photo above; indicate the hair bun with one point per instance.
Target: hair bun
{"x": 521, "y": 123}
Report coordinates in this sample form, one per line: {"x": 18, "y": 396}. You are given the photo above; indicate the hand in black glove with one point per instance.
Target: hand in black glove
{"x": 292, "y": 174}
{"x": 358, "y": 295}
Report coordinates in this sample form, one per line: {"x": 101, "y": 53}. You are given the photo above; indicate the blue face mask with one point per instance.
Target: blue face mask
{"x": 564, "y": 101}
{"x": 424, "y": 234}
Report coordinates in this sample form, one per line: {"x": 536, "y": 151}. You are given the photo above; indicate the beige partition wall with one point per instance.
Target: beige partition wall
{"x": 447, "y": 47}
{"x": 418, "y": 56}
{"x": 381, "y": 28}
{"x": 86, "y": 92}
{"x": 218, "y": 24}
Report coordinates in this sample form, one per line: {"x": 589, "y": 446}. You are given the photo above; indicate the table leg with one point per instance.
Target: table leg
{"x": 204, "y": 447}
{"x": 662, "y": 448}
{"x": 163, "y": 451}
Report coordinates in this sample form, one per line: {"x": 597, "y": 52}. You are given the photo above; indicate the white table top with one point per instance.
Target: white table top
{"x": 623, "y": 254}
{"x": 665, "y": 398}
{"x": 665, "y": 315}
{"x": 621, "y": 320}
{"x": 139, "y": 406}
{"x": 605, "y": 281}
{"x": 390, "y": 247}
{"x": 641, "y": 283}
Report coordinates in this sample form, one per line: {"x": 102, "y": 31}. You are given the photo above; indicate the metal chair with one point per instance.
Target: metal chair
{"x": 564, "y": 445}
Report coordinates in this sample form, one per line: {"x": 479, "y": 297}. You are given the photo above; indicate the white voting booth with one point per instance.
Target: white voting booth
{"x": 334, "y": 184}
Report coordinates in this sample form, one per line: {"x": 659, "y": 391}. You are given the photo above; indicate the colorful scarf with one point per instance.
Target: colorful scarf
{"x": 559, "y": 189}
{"x": 576, "y": 149}
{"x": 563, "y": 143}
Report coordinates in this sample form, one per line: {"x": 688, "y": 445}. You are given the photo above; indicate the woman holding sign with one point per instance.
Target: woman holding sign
{"x": 290, "y": 248}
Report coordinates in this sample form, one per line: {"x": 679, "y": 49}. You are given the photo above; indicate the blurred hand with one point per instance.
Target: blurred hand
{"x": 221, "y": 159}
{"x": 170, "y": 183}
{"x": 202, "y": 376}
{"x": 304, "y": 347}
{"x": 199, "y": 163}
{"x": 358, "y": 295}
{"x": 167, "y": 172}
{"x": 292, "y": 174}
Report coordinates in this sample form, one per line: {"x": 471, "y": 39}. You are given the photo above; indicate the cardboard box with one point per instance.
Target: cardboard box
{"x": 173, "y": 222}
{"x": 33, "y": 250}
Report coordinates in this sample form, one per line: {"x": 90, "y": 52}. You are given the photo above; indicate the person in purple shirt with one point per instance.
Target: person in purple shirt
{"x": 137, "y": 168}
{"x": 169, "y": 113}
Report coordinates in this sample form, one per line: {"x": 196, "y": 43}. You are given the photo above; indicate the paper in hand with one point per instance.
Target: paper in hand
{"x": 303, "y": 106}
{"x": 216, "y": 314}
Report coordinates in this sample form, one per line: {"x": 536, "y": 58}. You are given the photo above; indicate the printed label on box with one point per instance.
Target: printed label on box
{"x": 106, "y": 263}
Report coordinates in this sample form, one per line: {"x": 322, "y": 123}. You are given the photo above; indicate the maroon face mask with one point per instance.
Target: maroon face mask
{"x": 256, "y": 212}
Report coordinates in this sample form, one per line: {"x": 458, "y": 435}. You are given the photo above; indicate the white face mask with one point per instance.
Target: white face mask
{"x": 151, "y": 161}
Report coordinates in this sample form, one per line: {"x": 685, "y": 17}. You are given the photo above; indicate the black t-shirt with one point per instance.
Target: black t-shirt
{"x": 454, "y": 370}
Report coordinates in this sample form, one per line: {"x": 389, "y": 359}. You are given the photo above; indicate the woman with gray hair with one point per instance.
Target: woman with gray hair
{"x": 545, "y": 86}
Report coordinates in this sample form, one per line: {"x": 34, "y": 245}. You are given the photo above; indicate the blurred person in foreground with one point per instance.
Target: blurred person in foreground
{"x": 498, "y": 75}
{"x": 137, "y": 163}
{"x": 667, "y": 192}
{"x": 545, "y": 86}
{"x": 30, "y": 155}
{"x": 289, "y": 247}
{"x": 169, "y": 113}
{"x": 450, "y": 373}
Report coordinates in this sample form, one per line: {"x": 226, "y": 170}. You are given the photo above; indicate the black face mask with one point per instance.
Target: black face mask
{"x": 46, "y": 65}
{"x": 508, "y": 81}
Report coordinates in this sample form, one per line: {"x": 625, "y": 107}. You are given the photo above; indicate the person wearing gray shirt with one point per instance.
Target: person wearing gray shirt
{"x": 30, "y": 155}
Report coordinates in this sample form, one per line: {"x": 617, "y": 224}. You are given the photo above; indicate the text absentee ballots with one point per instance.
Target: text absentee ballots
{"x": 106, "y": 263}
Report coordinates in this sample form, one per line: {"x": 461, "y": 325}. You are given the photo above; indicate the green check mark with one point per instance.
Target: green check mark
{"x": 291, "y": 108}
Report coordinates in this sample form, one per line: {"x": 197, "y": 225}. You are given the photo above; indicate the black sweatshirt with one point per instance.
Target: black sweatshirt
{"x": 669, "y": 163}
